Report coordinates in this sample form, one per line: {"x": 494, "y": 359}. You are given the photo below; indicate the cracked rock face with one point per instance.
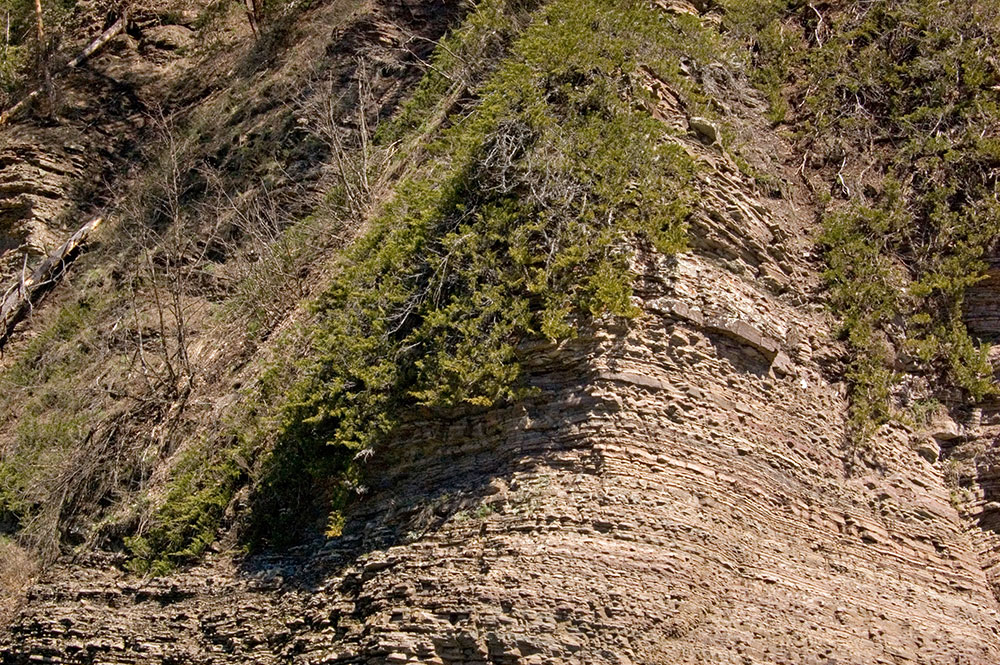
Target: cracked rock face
{"x": 668, "y": 498}
{"x": 677, "y": 492}
{"x": 34, "y": 193}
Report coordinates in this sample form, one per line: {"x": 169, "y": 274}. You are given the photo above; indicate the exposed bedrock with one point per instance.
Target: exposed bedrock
{"x": 676, "y": 493}
{"x": 668, "y": 497}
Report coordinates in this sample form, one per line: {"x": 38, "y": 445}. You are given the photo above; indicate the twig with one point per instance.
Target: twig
{"x": 819, "y": 40}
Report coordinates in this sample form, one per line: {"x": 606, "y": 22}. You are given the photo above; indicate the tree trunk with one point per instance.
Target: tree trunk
{"x": 252, "y": 17}
{"x": 42, "y": 58}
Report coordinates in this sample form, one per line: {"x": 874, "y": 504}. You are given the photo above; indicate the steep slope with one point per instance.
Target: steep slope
{"x": 139, "y": 354}
{"x": 679, "y": 485}
{"x": 56, "y": 172}
{"x": 674, "y": 495}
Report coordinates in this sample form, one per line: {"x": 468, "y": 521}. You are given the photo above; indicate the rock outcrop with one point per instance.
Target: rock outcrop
{"x": 678, "y": 491}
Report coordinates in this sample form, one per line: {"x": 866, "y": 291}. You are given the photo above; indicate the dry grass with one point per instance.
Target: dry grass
{"x": 17, "y": 570}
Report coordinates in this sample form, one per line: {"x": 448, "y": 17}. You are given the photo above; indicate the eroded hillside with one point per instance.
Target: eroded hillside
{"x": 579, "y": 335}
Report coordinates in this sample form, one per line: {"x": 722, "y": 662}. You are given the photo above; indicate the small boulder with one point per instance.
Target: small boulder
{"x": 928, "y": 449}
{"x": 168, "y": 37}
{"x": 705, "y": 130}
{"x": 942, "y": 427}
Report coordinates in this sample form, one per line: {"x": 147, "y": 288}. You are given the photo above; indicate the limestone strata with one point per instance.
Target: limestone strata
{"x": 666, "y": 498}
{"x": 677, "y": 492}
{"x": 34, "y": 192}
{"x": 982, "y": 313}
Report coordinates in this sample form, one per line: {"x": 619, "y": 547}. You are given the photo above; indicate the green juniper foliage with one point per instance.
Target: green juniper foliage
{"x": 521, "y": 225}
{"x": 911, "y": 87}
{"x": 189, "y": 519}
{"x": 461, "y": 63}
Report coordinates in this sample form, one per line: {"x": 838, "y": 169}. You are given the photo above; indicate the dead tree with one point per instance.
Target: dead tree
{"x": 42, "y": 58}
{"x": 25, "y": 292}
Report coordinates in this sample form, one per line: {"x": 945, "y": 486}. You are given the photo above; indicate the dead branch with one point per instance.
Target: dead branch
{"x": 21, "y": 296}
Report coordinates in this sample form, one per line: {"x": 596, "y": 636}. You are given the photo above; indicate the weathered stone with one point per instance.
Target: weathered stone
{"x": 705, "y": 130}
{"x": 665, "y": 498}
{"x": 168, "y": 37}
{"x": 943, "y": 428}
{"x": 744, "y": 333}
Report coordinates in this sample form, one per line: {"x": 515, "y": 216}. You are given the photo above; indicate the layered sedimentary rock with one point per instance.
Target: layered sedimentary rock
{"x": 679, "y": 491}
{"x": 967, "y": 442}
{"x": 34, "y": 192}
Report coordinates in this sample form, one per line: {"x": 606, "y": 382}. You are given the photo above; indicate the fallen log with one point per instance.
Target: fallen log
{"x": 103, "y": 39}
{"x": 92, "y": 48}
{"x": 25, "y": 292}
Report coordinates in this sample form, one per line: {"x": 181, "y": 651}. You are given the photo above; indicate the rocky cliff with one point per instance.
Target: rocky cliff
{"x": 679, "y": 488}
